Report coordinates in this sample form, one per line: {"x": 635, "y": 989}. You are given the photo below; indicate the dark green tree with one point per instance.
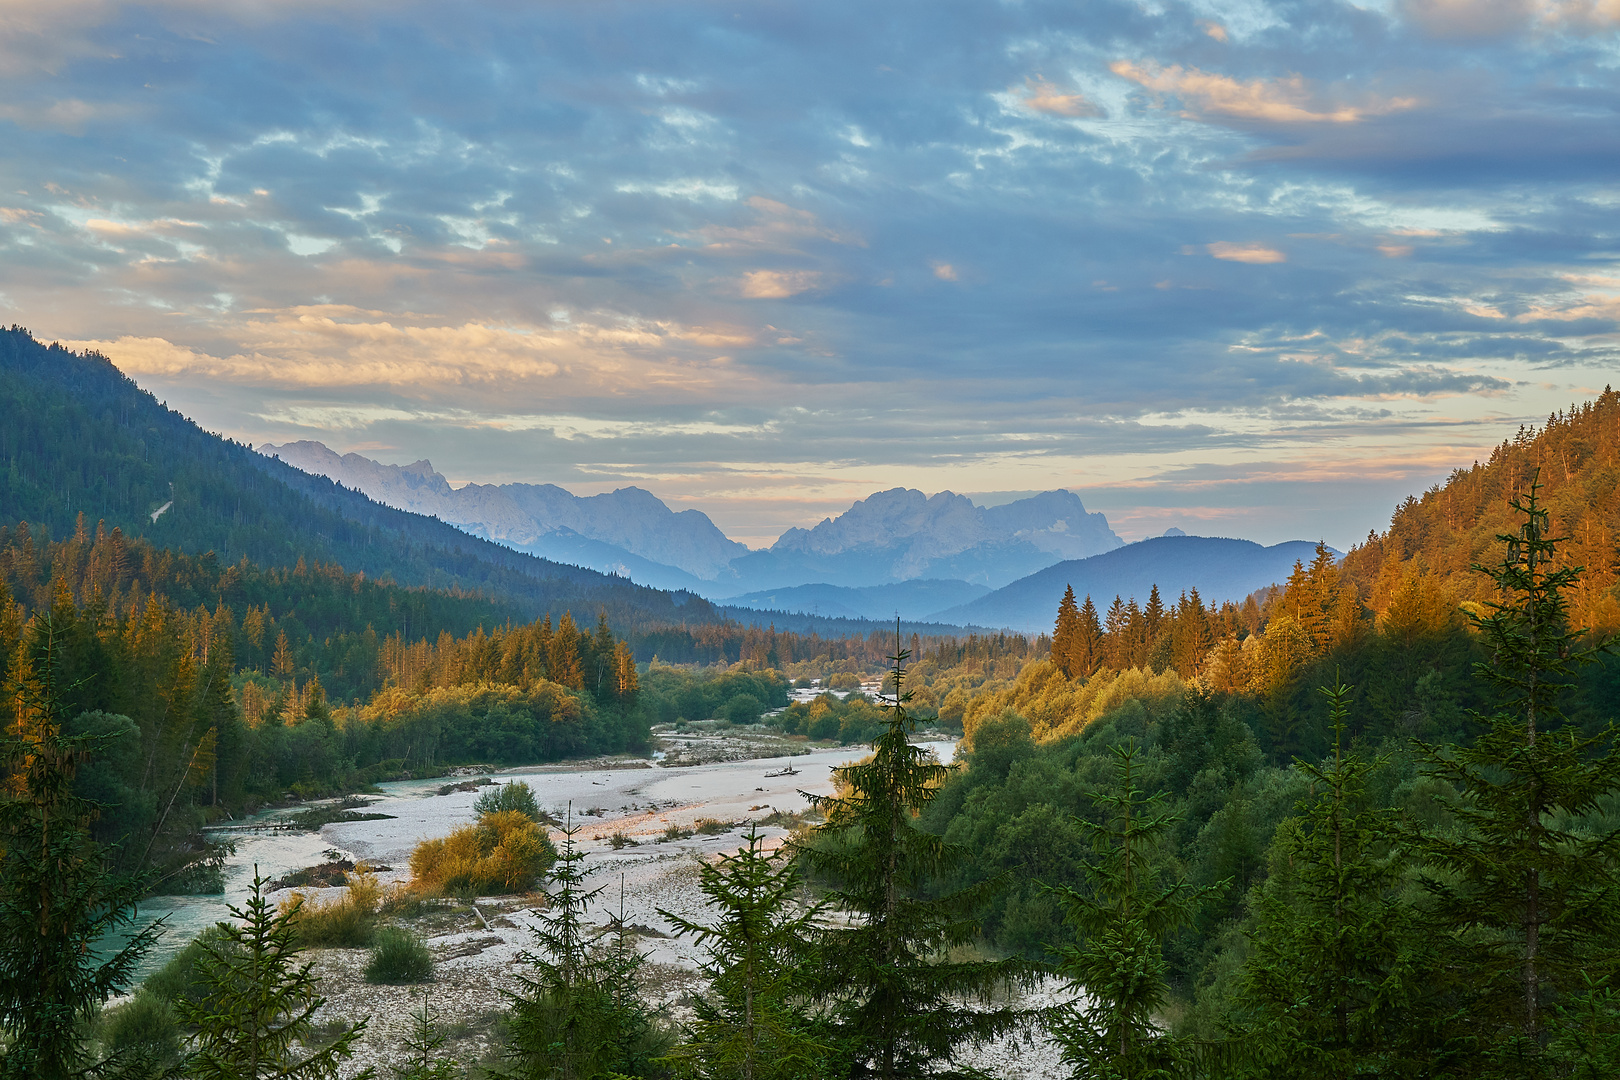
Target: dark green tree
{"x": 898, "y": 1007}
{"x": 422, "y": 1046}
{"x": 578, "y": 1016}
{"x": 1116, "y": 969}
{"x": 1333, "y": 982}
{"x": 256, "y": 1010}
{"x": 58, "y": 899}
{"x": 751, "y": 1025}
{"x": 1525, "y": 890}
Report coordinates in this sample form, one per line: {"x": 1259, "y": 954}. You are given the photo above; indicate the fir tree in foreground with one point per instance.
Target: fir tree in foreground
{"x": 578, "y": 1016}
{"x": 57, "y": 898}
{"x": 255, "y": 1016}
{"x": 899, "y": 1007}
{"x": 1335, "y": 982}
{"x": 1526, "y": 892}
{"x": 1116, "y": 971}
{"x": 751, "y": 1025}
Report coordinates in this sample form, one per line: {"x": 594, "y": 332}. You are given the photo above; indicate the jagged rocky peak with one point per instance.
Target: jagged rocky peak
{"x": 532, "y": 516}
{"x": 947, "y": 523}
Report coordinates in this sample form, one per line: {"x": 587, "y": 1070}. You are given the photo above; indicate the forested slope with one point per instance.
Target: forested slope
{"x": 1442, "y": 533}
{"x": 79, "y": 437}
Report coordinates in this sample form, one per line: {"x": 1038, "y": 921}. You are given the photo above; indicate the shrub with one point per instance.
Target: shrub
{"x": 399, "y": 958}
{"x": 713, "y": 826}
{"x": 181, "y": 978}
{"x": 621, "y": 840}
{"x": 675, "y": 832}
{"x": 347, "y": 923}
{"x": 514, "y": 796}
{"x": 506, "y": 852}
{"x": 144, "y": 1029}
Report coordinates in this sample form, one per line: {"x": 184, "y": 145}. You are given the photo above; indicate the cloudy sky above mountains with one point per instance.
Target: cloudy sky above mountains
{"x": 1253, "y": 269}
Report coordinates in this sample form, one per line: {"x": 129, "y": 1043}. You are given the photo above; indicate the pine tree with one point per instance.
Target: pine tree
{"x": 751, "y": 1024}
{"x": 897, "y": 1009}
{"x": 1524, "y": 890}
{"x": 1117, "y": 968}
{"x": 1331, "y": 985}
{"x": 57, "y": 898}
{"x": 257, "y": 1007}
{"x": 1065, "y": 636}
{"x": 577, "y": 1017}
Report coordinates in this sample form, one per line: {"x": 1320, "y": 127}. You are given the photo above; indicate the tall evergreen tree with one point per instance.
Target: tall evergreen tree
{"x": 1334, "y": 983}
{"x": 257, "y": 1009}
{"x": 1088, "y": 645}
{"x": 1526, "y": 890}
{"x": 57, "y": 897}
{"x": 898, "y": 1009}
{"x": 577, "y": 1017}
{"x": 751, "y": 1024}
{"x": 1066, "y": 634}
{"x": 1117, "y": 969}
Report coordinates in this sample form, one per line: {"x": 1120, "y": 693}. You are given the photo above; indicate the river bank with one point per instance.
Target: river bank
{"x": 638, "y": 820}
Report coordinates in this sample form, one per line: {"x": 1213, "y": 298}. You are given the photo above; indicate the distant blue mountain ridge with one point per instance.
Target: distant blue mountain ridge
{"x": 1219, "y": 568}
{"x": 929, "y": 558}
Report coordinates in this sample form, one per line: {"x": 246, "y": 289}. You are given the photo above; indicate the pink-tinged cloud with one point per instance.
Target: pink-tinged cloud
{"x": 779, "y": 284}
{"x": 1481, "y": 19}
{"x": 1042, "y": 96}
{"x": 1245, "y": 253}
{"x": 1213, "y": 29}
{"x": 1287, "y": 100}
{"x": 944, "y": 271}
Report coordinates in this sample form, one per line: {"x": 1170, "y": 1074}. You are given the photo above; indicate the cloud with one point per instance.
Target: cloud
{"x": 1245, "y": 253}
{"x": 1042, "y": 96}
{"x": 778, "y": 284}
{"x": 1285, "y": 100}
{"x": 944, "y": 271}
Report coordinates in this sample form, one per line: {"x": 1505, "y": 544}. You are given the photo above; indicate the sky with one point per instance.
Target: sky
{"x": 1248, "y": 269}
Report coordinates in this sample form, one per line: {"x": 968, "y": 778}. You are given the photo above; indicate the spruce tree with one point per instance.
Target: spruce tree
{"x": 255, "y": 1016}
{"x": 578, "y": 1016}
{"x": 1525, "y": 890}
{"x": 1332, "y": 984}
{"x": 898, "y": 1008}
{"x": 751, "y": 1024}
{"x": 1117, "y": 969}
{"x": 58, "y": 899}
{"x": 1066, "y": 634}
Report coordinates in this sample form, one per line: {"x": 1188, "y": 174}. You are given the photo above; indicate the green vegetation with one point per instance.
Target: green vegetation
{"x": 751, "y": 1023}
{"x": 399, "y": 958}
{"x": 57, "y": 899}
{"x": 579, "y": 1015}
{"x": 515, "y": 796}
{"x": 895, "y": 1006}
{"x": 255, "y": 1015}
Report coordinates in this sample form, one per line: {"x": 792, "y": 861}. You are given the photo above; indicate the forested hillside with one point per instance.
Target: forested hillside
{"x": 79, "y": 437}
{"x": 1434, "y": 538}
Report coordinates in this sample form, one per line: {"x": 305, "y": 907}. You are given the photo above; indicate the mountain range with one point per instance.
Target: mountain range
{"x": 891, "y": 537}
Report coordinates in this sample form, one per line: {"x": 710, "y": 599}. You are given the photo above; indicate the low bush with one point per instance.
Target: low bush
{"x": 675, "y": 832}
{"x": 181, "y": 978}
{"x": 514, "y": 796}
{"x": 143, "y": 1030}
{"x": 506, "y": 852}
{"x": 621, "y": 840}
{"x": 712, "y": 826}
{"x": 399, "y": 958}
{"x": 346, "y": 923}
